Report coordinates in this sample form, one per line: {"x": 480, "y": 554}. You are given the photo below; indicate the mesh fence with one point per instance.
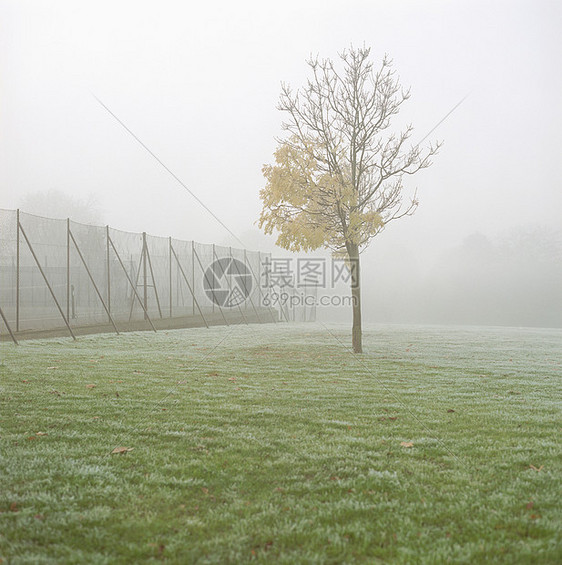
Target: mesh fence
{"x": 54, "y": 272}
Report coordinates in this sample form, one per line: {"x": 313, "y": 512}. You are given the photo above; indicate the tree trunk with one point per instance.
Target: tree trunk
{"x": 356, "y": 331}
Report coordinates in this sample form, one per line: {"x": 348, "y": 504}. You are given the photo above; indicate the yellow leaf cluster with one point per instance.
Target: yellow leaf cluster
{"x": 309, "y": 207}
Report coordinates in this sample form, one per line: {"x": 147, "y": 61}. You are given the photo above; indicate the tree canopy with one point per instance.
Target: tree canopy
{"x": 337, "y": 178}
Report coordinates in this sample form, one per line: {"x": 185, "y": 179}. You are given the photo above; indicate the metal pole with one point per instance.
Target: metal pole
{"x": 230, "y": 287}
{"x": 131, "y": 283}
{"x": 108, "y": 268}
{"x": 153, "y": 281}
{"x": 193, "y": 275}
{"x": 68, "y": 268}
{"x": 170, "y": 264}
{"x": 145, "y": 290}
{"x": 47, "y": 282}
{"x": 189, "y": 286}
{"x": 18, "y": 271}
{"x": 245, "y": 263}
{"x": 93, "y": 281}
{"x": 214, "y": 255}
{"x": 209, "y": 284}
{"x": 136, "y": 284}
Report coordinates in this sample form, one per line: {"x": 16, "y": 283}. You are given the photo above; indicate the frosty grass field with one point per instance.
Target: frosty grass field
{"x": 275, "y": 444}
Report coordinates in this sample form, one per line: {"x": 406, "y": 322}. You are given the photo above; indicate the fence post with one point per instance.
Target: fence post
{"x": 133, "y": 286}
{"x": 190, "y": 289}
{"x": 46, "y": 281}
{"x": 170, "y": 263}
{"x": 193, "y": 275}
{"x": 92, "y": 279}
{"x": 145, "y": 289}
{"x": 210, "y": 286}
{"x": 18, "y": 271}
{"x": 245, "y": 301}
{"x": 213, "y": 259}
{"x": 147, "y": 256}
{"x": 230, "y": 284}
{"x": 108, "y": 271}
{"x": 68, "y": 268}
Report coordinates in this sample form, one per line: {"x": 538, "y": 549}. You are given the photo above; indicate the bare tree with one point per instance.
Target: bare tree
{"x": 338, "y": 175}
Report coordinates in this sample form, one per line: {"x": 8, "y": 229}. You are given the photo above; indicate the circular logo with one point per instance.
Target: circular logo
{"x": 227, "y": 282}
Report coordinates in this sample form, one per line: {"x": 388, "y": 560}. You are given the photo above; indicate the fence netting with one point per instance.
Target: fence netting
{"x": 55, "y": 273}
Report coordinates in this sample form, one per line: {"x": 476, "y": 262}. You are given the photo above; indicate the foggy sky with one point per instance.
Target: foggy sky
{"x": 199, "y": 83}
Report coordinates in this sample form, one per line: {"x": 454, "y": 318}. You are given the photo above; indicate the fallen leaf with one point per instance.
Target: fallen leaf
{"x": 232, "y": 378}
{"x": 90, "y": 386}
{"x": 14, "y": 507}
{"x": 530, "y": 505}
{"x": 41, "y": 433}
{"x": 52, "y": 367}
{"x": 450, "y": 410}
{"x": 205, "y": 490}
{"x": 536, "y": 469}
{"x": 406, "y": 444}
{"x": 122, "y": 449}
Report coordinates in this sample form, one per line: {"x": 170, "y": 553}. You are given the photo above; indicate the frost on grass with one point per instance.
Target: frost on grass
{"x": 271, "y": 438}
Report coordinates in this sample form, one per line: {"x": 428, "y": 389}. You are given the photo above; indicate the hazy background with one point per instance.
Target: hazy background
{"x": 199, "y": 85}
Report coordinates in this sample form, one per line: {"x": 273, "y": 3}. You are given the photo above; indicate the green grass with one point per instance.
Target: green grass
{"x": 274, "y": 444}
